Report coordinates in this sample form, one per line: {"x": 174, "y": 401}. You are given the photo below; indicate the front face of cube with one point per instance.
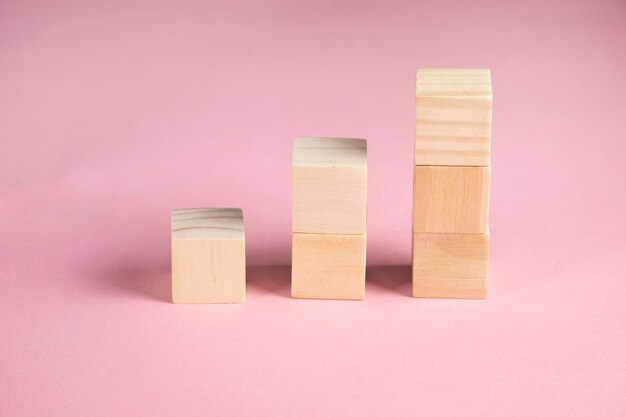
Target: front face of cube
{"x": 328, "y": 266}
{"x": 451, "y": 199}
{"x": 208, "y": 270}
{"x": 453, "y": 131}
{"x": 449, "y": 265}
{"x": 329, "y": 200}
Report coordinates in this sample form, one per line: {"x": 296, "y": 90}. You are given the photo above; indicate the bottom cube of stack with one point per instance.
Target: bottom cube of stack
{"x": 450, "y": 265}
{"x": 328, "y": 266}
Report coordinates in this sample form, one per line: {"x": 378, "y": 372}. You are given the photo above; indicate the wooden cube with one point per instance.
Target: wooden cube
{"x": 329, "y": 185}
{"x": 450, "y": 199}
{"x": 453, "y": 117}
{"x": 450, "y": 265}
{"x": 328, "y": 266}
{"x": 208, "y": 256}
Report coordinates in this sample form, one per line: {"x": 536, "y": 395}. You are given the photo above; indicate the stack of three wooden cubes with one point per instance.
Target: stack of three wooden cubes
{"x": 451, "y": 183}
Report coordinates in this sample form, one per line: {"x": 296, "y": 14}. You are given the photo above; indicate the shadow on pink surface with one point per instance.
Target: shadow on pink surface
{"x": 392, "y": 278}
{"x": 144, "y": 282}
{"x": 274, "y": 279}
{"x": 155, "y": 282}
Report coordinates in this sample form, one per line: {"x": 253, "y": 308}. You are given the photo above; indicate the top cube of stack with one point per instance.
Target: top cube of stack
{"x": 453, "y": 120}
{"x": 329, "y": 185}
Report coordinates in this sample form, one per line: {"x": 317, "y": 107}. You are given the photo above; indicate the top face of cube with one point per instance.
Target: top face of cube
{"x": 454, "y": 82}
{"x": 330, "y": 152}
{"x": 207, "y": 223}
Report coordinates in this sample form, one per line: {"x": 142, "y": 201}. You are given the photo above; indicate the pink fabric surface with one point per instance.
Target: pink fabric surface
{"x": 112, "y": 113}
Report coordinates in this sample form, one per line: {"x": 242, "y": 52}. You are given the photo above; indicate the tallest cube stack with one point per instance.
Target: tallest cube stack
{"x": 451, "y": 183}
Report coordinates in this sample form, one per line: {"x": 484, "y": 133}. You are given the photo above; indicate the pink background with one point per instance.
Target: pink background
{"x": 114, "y": 112}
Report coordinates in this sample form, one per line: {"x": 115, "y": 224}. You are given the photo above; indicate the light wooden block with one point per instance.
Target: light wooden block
{"x": 329, "y": 185}
{"x": 208, "y": 256}
{"x": 451, "y": 199}
{"x": 450, "y": 265}
{"x": 453, "y": 117}
{"x": 328, "y": 266}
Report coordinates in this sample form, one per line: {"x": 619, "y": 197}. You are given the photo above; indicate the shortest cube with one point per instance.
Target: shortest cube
{"x": 328, "y": 266}
{"x": 208, "y": 256}
{"x": 450, "y": 265}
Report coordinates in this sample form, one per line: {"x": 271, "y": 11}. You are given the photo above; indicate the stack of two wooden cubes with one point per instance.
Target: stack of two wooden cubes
{"x": 451, "y": 183}
{"x": 329, "y": 208}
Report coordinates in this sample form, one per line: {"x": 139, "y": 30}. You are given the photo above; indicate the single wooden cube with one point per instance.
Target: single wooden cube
{"x": 328, "y": 266}
{"x": 450, "y": 265}
{"x": 329, "y": 185}
{"x": 450, "y": 199}
{"x": 208, "y": 256}
{"x": 453, "y": 117}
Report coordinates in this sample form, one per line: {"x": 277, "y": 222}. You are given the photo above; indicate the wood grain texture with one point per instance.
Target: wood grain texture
{"x": 453, "y": 117}
{"x": 329, "y": 186}
{"x": 330, "y": 152}
{"x": 208, "y": 256}
{"x": 450, "y": 265}
{"x": 224, "y": 223}
{"x": 451, "y": 199}
{"x": 328, "y": 266}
